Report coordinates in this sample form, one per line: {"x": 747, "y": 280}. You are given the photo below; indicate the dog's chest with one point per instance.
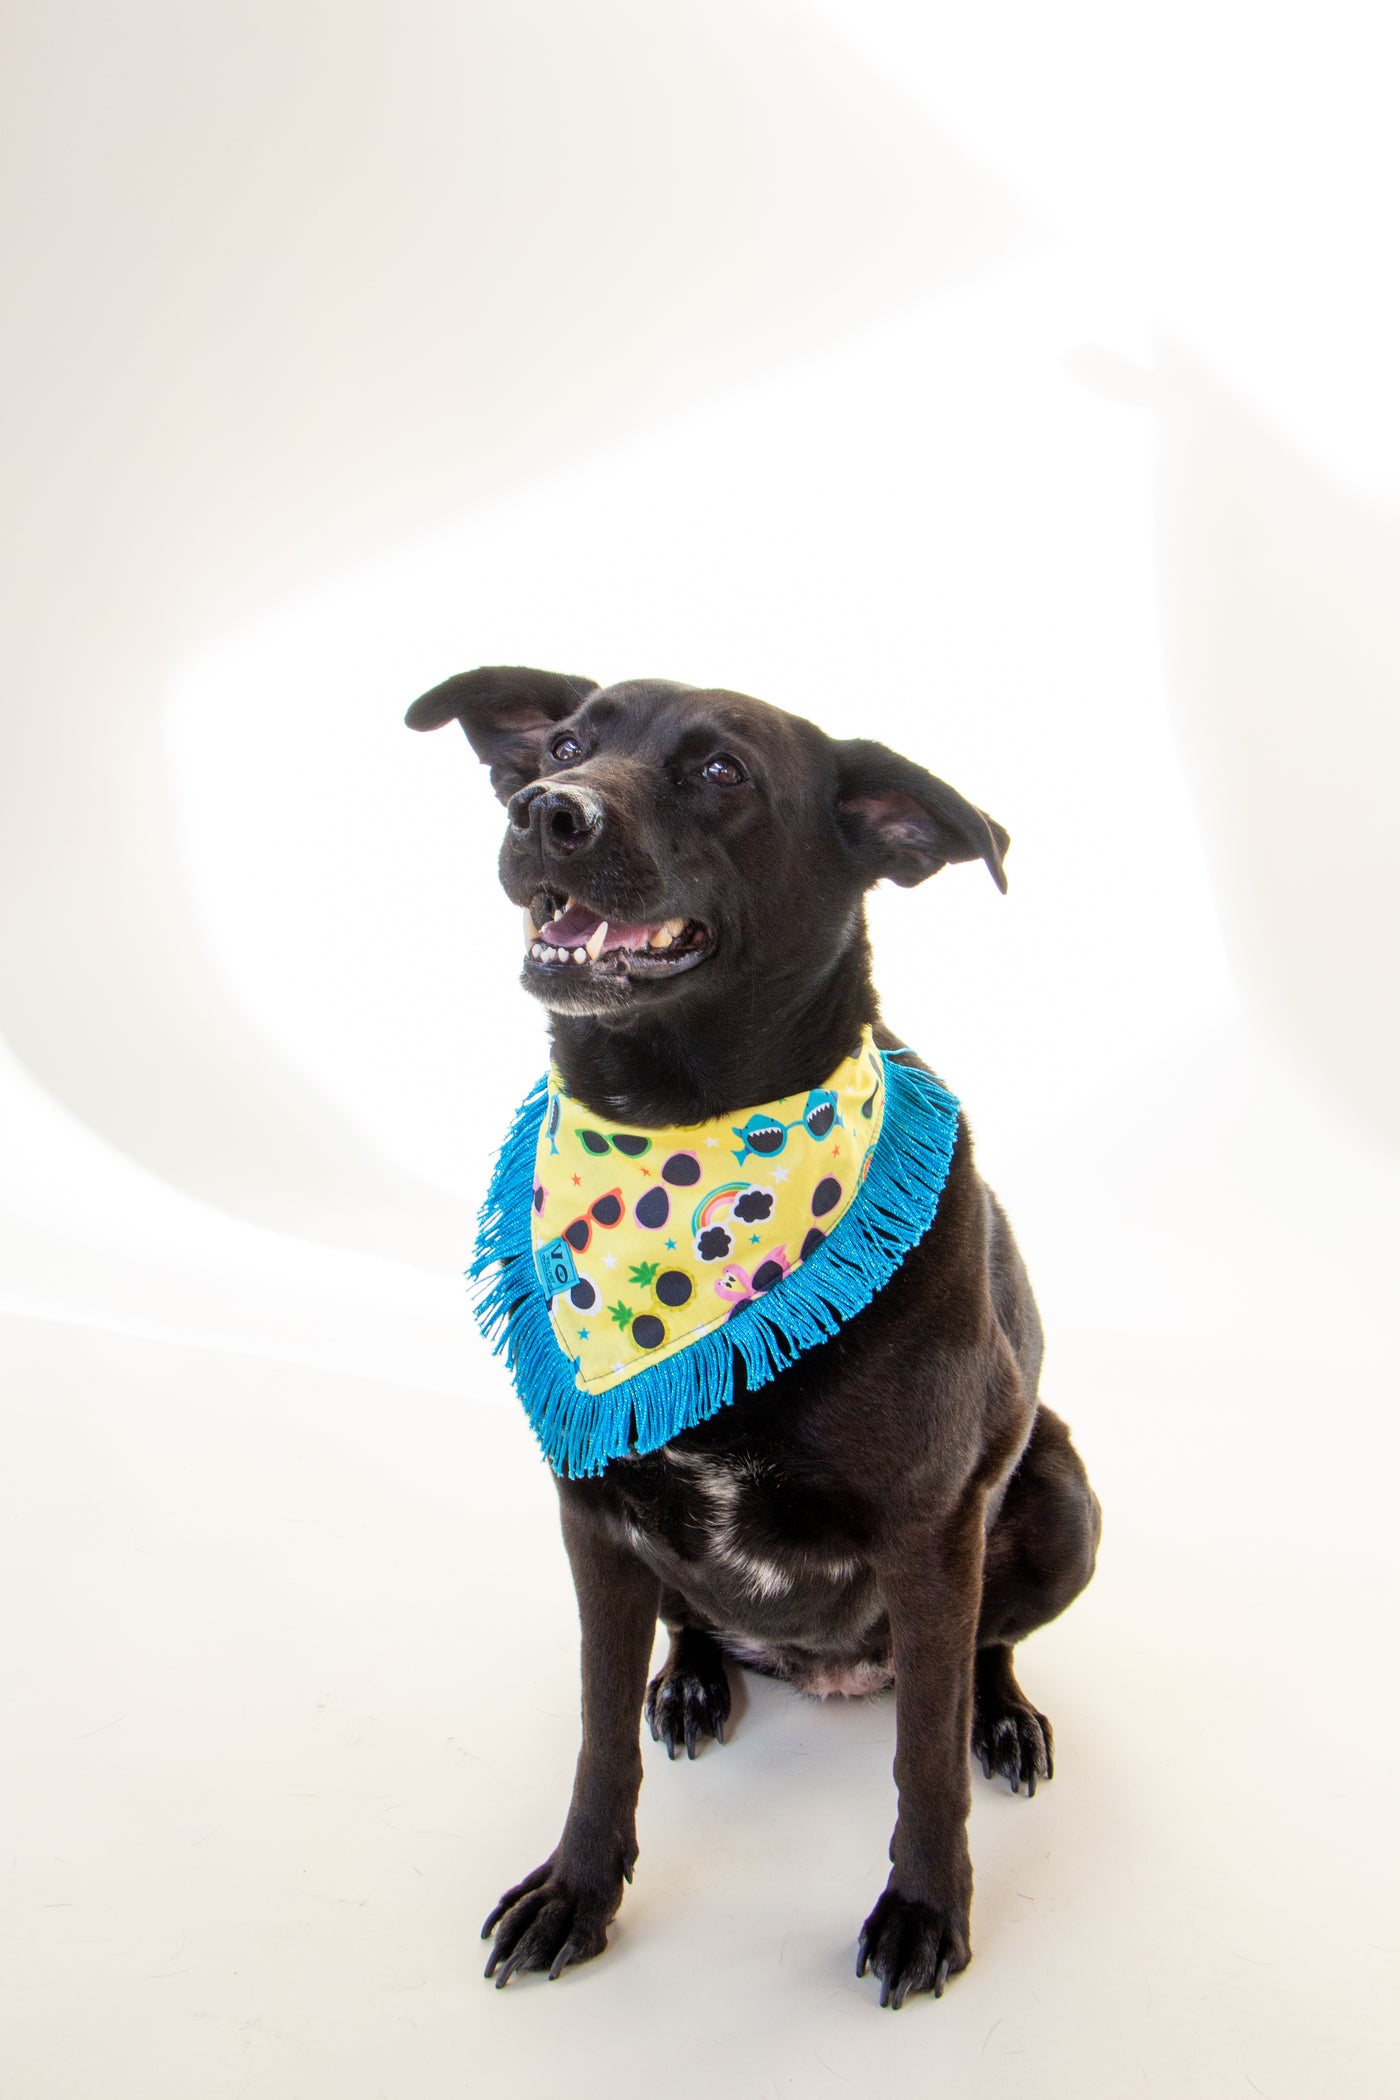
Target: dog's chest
{"x": 736, "y": 1530}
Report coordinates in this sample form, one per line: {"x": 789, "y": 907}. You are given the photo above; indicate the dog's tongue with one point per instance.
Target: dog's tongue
{"x": 579, "y": 924}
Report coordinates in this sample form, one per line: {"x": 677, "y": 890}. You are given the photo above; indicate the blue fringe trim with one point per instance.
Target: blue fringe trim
{"x": 579, "y": 1432}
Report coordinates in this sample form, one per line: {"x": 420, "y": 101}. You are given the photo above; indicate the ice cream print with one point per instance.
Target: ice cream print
{"x": 647, "y": 1240}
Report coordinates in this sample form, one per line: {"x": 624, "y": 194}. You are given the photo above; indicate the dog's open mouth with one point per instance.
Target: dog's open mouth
{"x": 561, "y": 934}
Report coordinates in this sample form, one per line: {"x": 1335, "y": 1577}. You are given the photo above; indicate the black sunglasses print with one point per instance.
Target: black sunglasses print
{"x": 625, "y": 1141}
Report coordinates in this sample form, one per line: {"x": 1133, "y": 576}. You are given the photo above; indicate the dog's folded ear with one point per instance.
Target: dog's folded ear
{"x": 899, "y": 821}
{"x": 505, "y": 710}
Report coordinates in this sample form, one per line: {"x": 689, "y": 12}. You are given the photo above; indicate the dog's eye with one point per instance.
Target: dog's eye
{"x": 566, "y": 749}
{"x": 723, "y": 770}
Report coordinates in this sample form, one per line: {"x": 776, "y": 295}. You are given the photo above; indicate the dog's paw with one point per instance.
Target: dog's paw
{"x": 545, "y": 1922}
{"x": 687, "y": 1702}
{"x": 1014, "y": 1740}
{"x": 911, "y": 1946}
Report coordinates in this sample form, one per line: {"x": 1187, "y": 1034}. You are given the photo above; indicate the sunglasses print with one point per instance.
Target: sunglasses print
{"x": 626, "y": 1142}
{"x": 606, "y": 1212}
{"x": 766, "y": 1137}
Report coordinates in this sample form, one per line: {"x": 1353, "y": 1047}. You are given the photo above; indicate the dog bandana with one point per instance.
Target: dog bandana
{"x": 628, "y": 1268}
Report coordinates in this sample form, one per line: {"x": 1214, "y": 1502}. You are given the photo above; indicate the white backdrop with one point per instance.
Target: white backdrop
{"x": 1014, "y": 387}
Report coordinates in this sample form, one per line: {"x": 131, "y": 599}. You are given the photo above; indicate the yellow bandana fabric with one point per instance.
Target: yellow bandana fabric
{"x": 646, "y": 1240}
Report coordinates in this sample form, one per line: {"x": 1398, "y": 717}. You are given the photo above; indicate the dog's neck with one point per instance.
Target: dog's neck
{"x": 780, "y": 1036}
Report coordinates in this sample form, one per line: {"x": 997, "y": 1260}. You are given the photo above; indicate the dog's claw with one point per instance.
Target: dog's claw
{"x": 911, "y": 1946}
{"x": 567, "y": 1953}
{"x": 513, "y": 1896}
{"x": 546, "y": 1923}
{"x": 688, "y": 1701}
{"x": 1015, "y": 1742}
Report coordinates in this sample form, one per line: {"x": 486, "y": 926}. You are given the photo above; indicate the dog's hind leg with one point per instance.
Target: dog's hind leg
{"x": 1040, "y": 1555}
{"x": 1009, "y": 1735}
{"x": 689, "y": 1696}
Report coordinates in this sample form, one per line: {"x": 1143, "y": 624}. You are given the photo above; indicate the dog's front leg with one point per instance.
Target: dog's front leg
{"x": 917, "y": 1934}
{"x": 560, "y": 1913}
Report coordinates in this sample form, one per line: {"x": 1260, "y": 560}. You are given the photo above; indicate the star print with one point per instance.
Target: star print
{"x": 583, "y": 1334}
{"x": 670, "y": 1246}
{"x": 576, "y": 1181}
{"x": 712, "y": 1144}
{"x": 646, "y": 1171}
{"x": 609, "y": 1261}
{"x": 753, "y": 1239}
{"x": 780, "y": 1173}
{"x": 835, "y": 1150}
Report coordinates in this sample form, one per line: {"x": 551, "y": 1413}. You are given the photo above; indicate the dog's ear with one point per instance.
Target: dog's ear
{"x": 897, "y": 820}
{"x": 505, "y": 710}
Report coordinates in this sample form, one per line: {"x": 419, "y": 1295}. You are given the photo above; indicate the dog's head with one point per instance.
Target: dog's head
{"x": 675, "y": 844}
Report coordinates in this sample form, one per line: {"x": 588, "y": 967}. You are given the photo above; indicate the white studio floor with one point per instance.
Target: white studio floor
{"x": 295, "y": 1655}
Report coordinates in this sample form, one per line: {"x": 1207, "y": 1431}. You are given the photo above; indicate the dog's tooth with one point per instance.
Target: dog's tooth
{"x": 661, "y": 938}
{"x": 593, "y": 946}
{"x": 579, "y": 955}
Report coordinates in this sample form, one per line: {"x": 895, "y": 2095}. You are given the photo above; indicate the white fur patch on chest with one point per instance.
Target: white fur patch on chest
{"x": 722, "y": 1487}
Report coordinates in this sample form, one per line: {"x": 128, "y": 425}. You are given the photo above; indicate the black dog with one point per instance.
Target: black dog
{"x": 894, "y": 1506}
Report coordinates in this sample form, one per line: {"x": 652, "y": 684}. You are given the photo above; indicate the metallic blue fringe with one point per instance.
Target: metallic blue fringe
{"x": 579, "y": 1431}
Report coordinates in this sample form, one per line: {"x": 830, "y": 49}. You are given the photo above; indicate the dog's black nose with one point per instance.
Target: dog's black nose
{"x": 564, "y": 819}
